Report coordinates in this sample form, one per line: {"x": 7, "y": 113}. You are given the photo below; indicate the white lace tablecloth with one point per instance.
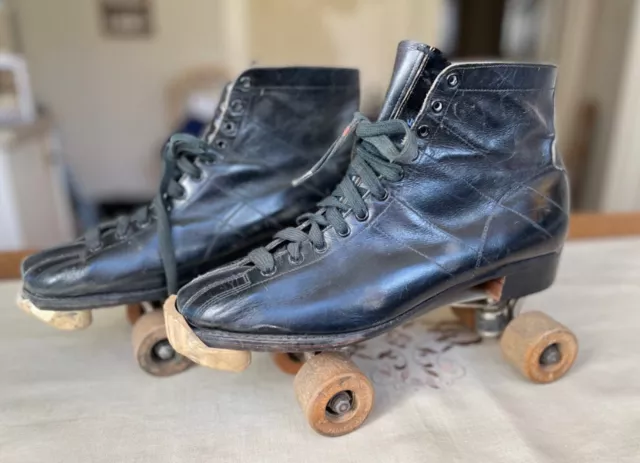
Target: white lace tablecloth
{"x": 79, "y": 397}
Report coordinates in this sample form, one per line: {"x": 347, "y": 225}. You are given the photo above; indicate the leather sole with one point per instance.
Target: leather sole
{"x": 209, "y": 347}
{"x": 94, "y": 301}
{"x": 70, "y": 314}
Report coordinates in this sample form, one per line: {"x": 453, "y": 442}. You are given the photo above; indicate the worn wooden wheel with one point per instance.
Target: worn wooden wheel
{"x": 134, "y": 312}
{"x": 287, "y": 362}
{"x": 335, "y": 396}
{"x": 540, "y": 347}
{"x": 152, "y": 349}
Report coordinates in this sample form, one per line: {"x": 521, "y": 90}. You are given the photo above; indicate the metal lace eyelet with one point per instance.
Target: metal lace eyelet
{"x": 345, "y": 234}
{"x": 423, "y": 131}
{"x": 453, "y": 80}
{"x": 245, "y": 82}
{"x": 384, "y": 196}
{"x": 297, "y": 261}
{"x": 229, "y": 128}
{"x": 236, "y": 108}
{"x": 437, "y": 106}
{"x": 96, "y": 249}
{"x": 145, "y": 224}
{"x": 222, "y": 144}
{"x": 321, "y": 249}
{"x": 400, "y": 176}
{"x": 182, "y": 196}
{"x": 198, "y": 178}
{"x": 362, "y": 218}
{"x": 269, "y": 272}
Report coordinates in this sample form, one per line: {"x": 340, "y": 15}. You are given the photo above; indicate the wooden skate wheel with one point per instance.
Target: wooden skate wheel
{"x": 134, "y": 312}
{"x": 335, "y": 396}
{"x": 288, "y": 363}
{"x": 152, "y": 349}
{"x": 466, "y": 316}
{"x": 540, "y": 347}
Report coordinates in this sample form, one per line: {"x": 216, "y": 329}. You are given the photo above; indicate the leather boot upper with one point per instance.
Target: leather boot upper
{"x": 482, "y": 187}
{"x": 272, "y": 125}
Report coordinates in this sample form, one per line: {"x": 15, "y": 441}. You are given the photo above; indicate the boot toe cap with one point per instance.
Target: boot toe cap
{"x": 204, "y": 302}
{"x": 52, "y": 273}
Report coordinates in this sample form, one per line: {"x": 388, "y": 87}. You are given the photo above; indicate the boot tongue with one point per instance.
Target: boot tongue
{"x": 415, "y": 69}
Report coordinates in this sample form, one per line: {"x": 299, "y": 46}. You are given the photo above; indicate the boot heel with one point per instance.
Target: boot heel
{"x": 531, "y": 276}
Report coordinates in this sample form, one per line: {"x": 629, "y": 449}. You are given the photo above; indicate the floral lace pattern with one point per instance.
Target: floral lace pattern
{"x": 415, "y": 355}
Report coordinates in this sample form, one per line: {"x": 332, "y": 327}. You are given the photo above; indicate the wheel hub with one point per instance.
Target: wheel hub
{"x": 340, "y": 403}
{"x": 163, "y": 350}
{"x": 550, "y": 355}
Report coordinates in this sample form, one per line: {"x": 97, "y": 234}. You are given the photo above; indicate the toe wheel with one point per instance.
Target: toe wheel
{"x": 134, "y": 312}
{"x": 540, "y": 347}
{"x": 152, "y": 349}
{"x": 287, "y": 362}
{"x": 335, "y": 396}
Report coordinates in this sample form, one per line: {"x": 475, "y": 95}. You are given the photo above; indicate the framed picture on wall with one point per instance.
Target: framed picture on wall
{"x": 126, "y": 18}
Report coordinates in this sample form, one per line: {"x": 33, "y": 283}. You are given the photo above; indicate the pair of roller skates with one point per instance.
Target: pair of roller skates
{"x": 455, "y": 196}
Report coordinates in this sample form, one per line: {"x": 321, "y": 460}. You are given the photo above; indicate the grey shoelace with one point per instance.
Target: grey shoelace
{"x": 179, "y": 155}
{"x": 375, "y": 148}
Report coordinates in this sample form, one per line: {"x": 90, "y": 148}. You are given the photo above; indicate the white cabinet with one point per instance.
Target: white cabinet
{"x": 35, "y": 210}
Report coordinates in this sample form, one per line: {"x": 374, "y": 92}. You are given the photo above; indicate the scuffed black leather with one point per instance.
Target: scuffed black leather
{"x": 277, "y": 124}
{"x": 486, "y": 190}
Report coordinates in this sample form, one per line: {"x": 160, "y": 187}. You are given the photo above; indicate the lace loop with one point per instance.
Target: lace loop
{"x": 377, "y": 148}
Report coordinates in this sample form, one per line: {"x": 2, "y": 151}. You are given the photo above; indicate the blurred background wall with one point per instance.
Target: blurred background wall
{"x": 108, "y": 95}
{"x": 353, "y": 33}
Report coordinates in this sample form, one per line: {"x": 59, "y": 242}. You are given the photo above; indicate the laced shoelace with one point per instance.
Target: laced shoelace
{"x": 376, "y": 148}
{"x": 179, "y": 158}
